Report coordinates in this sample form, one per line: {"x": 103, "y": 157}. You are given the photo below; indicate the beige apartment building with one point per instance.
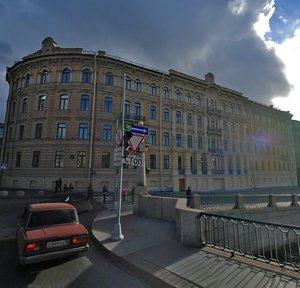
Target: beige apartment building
{"x": 65, "y": 105}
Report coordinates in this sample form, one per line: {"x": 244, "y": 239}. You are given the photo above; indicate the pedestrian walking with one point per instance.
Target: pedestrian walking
{"x": 124, "y": 193}
{"x": 188, "y": 193}
{"x": 71, "y": 187}
{"x": 59, "y": 184}
{"x": 104, "y": 192}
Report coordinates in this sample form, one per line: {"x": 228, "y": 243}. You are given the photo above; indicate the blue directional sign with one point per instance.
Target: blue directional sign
{"x": 142, "y": 130}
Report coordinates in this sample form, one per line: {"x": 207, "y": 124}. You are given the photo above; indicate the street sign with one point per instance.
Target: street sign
{"x": 117, "y": 157}
{"x": 133, "y": 160}
{"x": 142, "y": 130}
{"x": 119, "y": 137}
{"x": 135, "y": 141}
{"x": 3, "y": 166}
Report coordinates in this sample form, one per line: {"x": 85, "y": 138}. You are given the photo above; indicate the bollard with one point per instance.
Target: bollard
{"x": 195, "y": 201}
{"x": 272, "y": 201}
{"x": 239, "y": 202}
{"x": 295, "y": 200}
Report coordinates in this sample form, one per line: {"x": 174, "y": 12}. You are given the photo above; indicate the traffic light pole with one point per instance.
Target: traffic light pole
{"x": 117, "y": 233}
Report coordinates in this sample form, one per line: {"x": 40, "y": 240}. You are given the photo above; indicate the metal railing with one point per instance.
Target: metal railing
{"x": 273, "y": 243}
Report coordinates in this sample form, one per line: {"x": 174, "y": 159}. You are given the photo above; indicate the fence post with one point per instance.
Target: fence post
{"x": 239, "y": 202}
{"x": 195, "y": 201}
{"x": 272, "y": 201}
{"x": 295, "y": 200}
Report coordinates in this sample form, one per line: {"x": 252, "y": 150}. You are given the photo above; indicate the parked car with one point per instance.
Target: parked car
{"x": 49, "y": 231}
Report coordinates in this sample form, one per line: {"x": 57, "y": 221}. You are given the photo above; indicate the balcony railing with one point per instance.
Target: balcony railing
{"x": 135, "y": 117}
{"x": 213, "y": 110}
{"x": 214, "y": 130}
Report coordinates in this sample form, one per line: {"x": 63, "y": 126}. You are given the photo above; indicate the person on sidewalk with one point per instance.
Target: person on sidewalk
{"x": 188, "y": 193}
{"x": 124, "y": 193}
{"x": 104, "y": 192}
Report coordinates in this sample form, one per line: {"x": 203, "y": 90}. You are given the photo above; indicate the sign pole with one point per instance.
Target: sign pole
{"x": 117, "y": 233}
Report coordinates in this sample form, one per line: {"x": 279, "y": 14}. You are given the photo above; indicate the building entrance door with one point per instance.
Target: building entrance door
{"x": 181, "y": 185}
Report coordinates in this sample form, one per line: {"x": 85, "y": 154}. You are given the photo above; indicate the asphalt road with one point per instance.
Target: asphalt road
{"x": 93, "y": 269}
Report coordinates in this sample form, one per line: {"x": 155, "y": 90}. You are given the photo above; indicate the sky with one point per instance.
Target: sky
{"x": 252, "y": 46}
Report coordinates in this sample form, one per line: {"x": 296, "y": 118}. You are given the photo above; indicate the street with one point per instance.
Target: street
{"x": 93, "y": 269}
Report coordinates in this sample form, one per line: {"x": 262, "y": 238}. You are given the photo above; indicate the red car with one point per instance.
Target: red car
{"x": 49, "y": 231}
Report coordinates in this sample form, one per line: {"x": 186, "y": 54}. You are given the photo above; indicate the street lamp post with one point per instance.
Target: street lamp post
{"x": 117, "y": 232}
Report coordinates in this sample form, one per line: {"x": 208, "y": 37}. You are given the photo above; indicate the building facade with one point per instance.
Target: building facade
{"x": 65, "y": 105}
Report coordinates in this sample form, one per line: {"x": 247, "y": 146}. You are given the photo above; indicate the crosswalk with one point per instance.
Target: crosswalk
{"x": 112, "y": 205}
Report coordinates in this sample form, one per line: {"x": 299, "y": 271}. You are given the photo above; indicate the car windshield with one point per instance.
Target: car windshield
{"x": 51, "y": 217}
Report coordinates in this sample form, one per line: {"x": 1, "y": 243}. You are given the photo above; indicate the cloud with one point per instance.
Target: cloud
{"x": 194, "y": 37}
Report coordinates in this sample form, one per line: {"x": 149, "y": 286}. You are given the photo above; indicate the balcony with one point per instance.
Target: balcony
{"x": 217, "y": 171}
{"x": 213, "y": 110}
{"x": 215, "y": 151}
{"x": 134, "y": 117}
{"x": 214, "y": 130}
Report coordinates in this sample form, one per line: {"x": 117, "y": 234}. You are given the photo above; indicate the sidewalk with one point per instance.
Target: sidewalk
{"x": 151, "y": 246}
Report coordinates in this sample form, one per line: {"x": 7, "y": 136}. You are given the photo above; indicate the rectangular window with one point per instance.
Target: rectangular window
{"x": 153, "y": 112}
{"x": 105, "y": 160}
{"x": 166, "y": 163}
{"x": 85, "y": 102}
{"x": 178, "y": 140}
{"x": 35, "y": 158}
{"x": 83, "y": 131}
{"x": 42, "y": 103}
{"x": 153, "y": 161}
{"x": 38, "y": 131}
{"x": 64, "y": 102}
{"x": 152, "y": 137}
{"x": 61, "y": 130}
{"x": 59, "y": 159}
{"x": 190, "y": 141}
{"x": 200, "y": 143}
{"x": 18, "y": 159}
{"x": 21, "y": 132}
{"x": 107, "y": 131}
{"x": 166, "y": 139}
{"x": 81, "y": 159}
{"x": 25, "y": 105}
{"x": 166, "y": 115}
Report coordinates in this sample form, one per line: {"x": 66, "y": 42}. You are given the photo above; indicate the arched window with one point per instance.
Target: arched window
{"x": 45, "y": 77}
{"x": 28, "y": 80}
{"x": 166, "y": 115}
{"x": 188, "y": 98}
{"x": 138, "y": 85}
{"x": 189, "y": 118}
{"x": 178, "y": 95}
{"x": 66, "y": 75}
{"x": 85, "y": 102}
{"x": 86, "y": 76}
{"x": 128, "y": 83}
{"x": 198, "y": 101}
{"x": 127, "y": 109}
{"x": 178, "y": 117}
{"x": 42, "y": 103}
{"x": 152, "y": 112}
{"x": 137, "y": 109}
{"x": 64, "y": 102}
{"x": 108, "y": 104}
{"x": 109, "y": 78}
{"x": 153, "y": 89}
{"x": 166, "y": 92}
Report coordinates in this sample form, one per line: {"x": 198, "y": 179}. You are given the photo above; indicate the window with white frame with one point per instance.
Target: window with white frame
{"x": 64, "y": 102}
{"x": 83, "y": 131}
{"x": 81, "y": 159}
{"x": 42, "y": 103}
{"x": 85, "y": 102}
{"x": 59, "y": 159}
{"x": 61, "y": 131}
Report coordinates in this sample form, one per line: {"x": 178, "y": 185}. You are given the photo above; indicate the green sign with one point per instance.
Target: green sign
{"x": 127, "y": 127}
